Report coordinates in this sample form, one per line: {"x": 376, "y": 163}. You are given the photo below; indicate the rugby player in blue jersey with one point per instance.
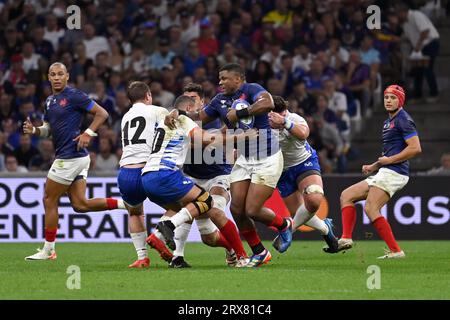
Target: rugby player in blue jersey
{"x": 400, "y": 143}
{"x": 63, "y": 114}
{"x": 256, "y": 172}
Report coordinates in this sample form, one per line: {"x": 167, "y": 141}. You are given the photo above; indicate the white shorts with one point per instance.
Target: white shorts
{"x": 265, "y": 171}
{"x": 207, "y": 184}
{"x": 388, "y": 180}
{"x": 65, "y": 171}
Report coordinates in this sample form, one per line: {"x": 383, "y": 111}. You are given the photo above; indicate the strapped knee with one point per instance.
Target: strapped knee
{"x": 219, "y": 202}
{"x": 205, "y": 226}
{"x": 203, "y": 202}
{"x": 313, "y": 188}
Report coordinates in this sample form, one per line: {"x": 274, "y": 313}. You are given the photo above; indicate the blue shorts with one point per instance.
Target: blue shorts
{"x": 166, "y": 186}
{"x": 130, "y": 186}
{"x": 288, "y": 182}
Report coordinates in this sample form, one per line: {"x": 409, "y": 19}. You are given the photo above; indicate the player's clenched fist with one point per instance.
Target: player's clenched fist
{"x": 28, "y": 126}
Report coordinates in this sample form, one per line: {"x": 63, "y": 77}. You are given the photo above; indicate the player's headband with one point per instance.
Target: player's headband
{"x": 398, "y": 92}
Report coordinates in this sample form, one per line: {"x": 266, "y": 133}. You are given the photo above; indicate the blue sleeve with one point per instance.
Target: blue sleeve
{"x": 407, "y": 128}
{"x": 211, "y": 110}
{"x": 255, "y": 90}
{"x": 81, "y": 100}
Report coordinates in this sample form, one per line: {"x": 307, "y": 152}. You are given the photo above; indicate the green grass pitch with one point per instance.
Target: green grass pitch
{"x": 304, "y": 272}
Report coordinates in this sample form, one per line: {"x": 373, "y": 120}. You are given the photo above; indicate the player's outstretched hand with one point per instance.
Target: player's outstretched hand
{"x": 171, "y": 118}
{"x": 28, "y": 126}
{"x": 276, "y": 120}
{"x": 83, "y": 140}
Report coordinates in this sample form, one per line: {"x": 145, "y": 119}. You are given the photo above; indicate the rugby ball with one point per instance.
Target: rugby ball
{"x": 247, "y": 122}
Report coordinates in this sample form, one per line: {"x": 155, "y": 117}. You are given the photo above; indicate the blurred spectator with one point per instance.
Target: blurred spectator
{"x": 339, "y": 56}
{"x": 171, "y": 18}
{"x": 193, "y": 59}
{"x": 6, "y": 106}
{"x": 190, "y": 29}
{"x": 11, "y": 165}
{"x": 100, "y": 96}
{"x": 371, "y": 57}
{"x": 136, "y": 65}
{"x": 81, "y": 63}
{"x": 315, "y": 77}
{"x": 148, "y": 38}
{"x": 228, "y": 54}
{"x": 175, "y": 43}
{"x": 207, "y": 42}
{"x": 30, "y": 58}
{"x": 5, "y": 147}
{"x": 52, "y": 32}
{"x": 11, "y": 41}
{"x": 25, "y": 151}
{"x": 357, "y": 79}
{"x": 94, "y": 44}
{"x": 15, "y": 74}
{"x": 106, "y": 159}
{"x": 280, "y": 15}
{"x": 162, "y": 56}
{"x": 239, "y": 41}
{"x": 424, "y": 39}
{"x": 116, "y": 56}
{"x": 444, "y": 169}
{"x": 303, "y": 57}
{"x": 44, "y": 159}
{"x": 305, "y": 103}
{"x": 319, "y": 41}
{"x": 273, "y": 56}
{"x": 41, "y": 45}
{"x": 102, "y": 63}
{"x": 160, "y": 96}
{"x": 115, "y": 84}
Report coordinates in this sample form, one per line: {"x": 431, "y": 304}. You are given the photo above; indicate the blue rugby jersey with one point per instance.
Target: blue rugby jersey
{"x": 203, "y": 170}
{"x": 395, "y": 132}
{"x": 267, "y": 143}
{"x": 64, "y": 112}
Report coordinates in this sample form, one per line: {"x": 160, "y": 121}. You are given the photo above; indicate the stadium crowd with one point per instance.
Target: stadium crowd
{"x": 317, "y": 54}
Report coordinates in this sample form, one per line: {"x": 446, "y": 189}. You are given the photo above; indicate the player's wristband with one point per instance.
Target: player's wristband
{"x": 288, "y": 124}
{"x": 242, "y": 113}
{"x": 33, "y": 131}
{"x": 90, "y": 132}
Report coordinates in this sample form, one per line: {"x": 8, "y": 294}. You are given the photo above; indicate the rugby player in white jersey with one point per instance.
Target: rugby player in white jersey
{"x": 165, "y": 184}
{"x": 300, "y": 184}
{"x": 219, "y": 231}
{"x": 137, "y": 127}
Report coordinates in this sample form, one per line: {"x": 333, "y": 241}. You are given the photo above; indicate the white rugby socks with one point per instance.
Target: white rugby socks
{"x": 140, "y": 244}
{"x": 181, "y": 234}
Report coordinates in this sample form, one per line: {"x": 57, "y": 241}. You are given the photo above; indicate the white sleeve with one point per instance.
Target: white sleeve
{"x": 297, "y": 119}
{"x": 160, "y": 113}
{"x": 188, "y": 124}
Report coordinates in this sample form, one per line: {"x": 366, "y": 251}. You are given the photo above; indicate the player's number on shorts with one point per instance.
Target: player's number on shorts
{"x": 140, "y": 123}
{"x": 158, "y": 140}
